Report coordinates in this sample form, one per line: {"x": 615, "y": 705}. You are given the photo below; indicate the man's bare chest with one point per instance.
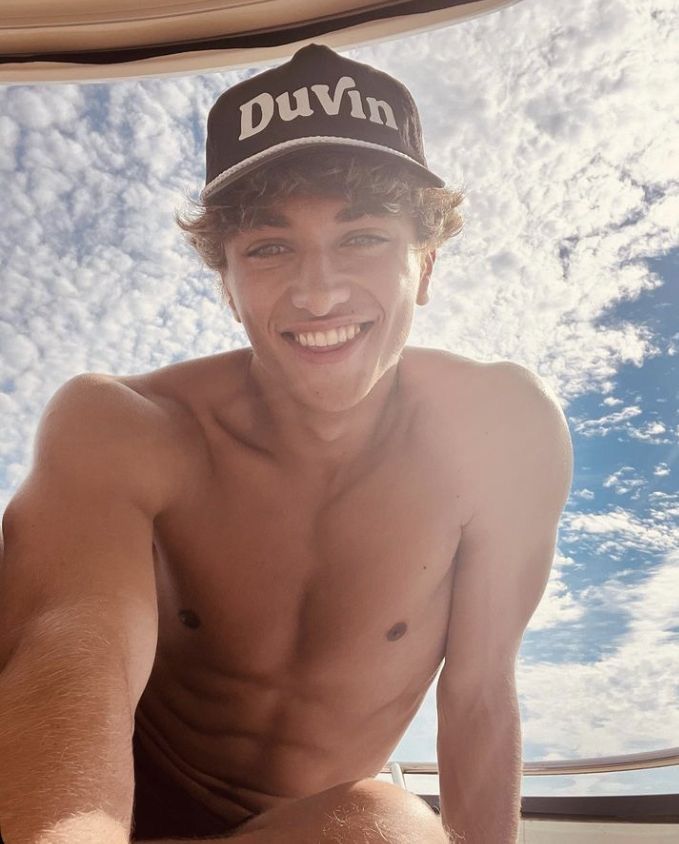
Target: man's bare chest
{"x": 276, "y": 573}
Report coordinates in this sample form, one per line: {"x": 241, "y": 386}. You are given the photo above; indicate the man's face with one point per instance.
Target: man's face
{"x": 326, "y": 295}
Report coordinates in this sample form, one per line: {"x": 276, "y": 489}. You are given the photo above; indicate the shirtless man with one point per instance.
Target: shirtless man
{"x": 228, "y": 583}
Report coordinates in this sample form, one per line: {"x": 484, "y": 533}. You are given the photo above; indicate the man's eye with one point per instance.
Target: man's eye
{"x": 366, "y": 240}
{"x": 269, "y": 250}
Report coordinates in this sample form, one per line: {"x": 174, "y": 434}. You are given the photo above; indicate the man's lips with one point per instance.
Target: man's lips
{"x": 312, "y": 335}
{"x": 330, "y": 352}
{"x": 325, "y": 324}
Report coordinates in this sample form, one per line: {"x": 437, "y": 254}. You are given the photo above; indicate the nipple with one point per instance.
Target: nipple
{"x": 189, "y": 618}
{"x": 397, "y": 631}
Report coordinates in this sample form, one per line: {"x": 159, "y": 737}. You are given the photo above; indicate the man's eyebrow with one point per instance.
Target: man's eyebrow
{"x": 267, "y": 217}
{"x": 260, "y": 217}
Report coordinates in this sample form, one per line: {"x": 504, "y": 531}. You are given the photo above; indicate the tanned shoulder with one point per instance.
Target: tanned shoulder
{"x": 151, "y": 425}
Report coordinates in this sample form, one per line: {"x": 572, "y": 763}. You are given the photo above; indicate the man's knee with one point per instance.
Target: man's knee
{"x": 370, "y": 810}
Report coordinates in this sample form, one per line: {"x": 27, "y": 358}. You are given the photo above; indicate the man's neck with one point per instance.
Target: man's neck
{"x": 310, "y": 436}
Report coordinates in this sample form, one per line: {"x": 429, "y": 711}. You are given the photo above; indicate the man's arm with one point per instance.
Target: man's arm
{"x": 502, "y": 567}
{"x": 78, "y": 617}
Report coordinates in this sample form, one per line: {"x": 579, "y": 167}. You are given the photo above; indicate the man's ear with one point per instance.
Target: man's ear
{"x": 229, "y": 298}
{"x": 427, "y": 262}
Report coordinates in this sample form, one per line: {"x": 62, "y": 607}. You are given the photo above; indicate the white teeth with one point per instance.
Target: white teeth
{"x": 328, "y": 338}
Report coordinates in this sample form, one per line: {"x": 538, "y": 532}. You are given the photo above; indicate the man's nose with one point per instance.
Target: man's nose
{"x": 320, "y": 285}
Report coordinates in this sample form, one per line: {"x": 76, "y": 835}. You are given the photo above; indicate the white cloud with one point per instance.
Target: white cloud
{"x": 626, "y": 529}
{"x": 558, "y": 605}
{"x": 18, "y": 351}
{"x": 34, "y": 108}
{"x": 650, "y": 432}
{"x": 587, "y": 494}
{"x": 604, "y": 424}
{"x": 625, "y": 701}
{"x": 624, "y": 480}
{"x": 9, "y": 136}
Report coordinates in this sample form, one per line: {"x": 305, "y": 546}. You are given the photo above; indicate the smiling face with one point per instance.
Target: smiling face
{"x": 326, "y": 294}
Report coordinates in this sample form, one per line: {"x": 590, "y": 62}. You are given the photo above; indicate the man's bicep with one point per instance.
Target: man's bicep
{"x": 78, "y": 532}
{"x": 506, "y": 551}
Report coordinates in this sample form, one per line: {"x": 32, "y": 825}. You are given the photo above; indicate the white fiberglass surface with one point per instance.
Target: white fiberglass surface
{"x": 49, "y": 43}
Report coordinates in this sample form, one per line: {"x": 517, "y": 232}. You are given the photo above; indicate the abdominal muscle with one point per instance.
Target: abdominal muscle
{"x": 251, "y": 744}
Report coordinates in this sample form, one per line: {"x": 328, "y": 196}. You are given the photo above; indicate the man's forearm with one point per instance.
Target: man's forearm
{"x": 480, "y": 769}
{"x": 65, "y": 743}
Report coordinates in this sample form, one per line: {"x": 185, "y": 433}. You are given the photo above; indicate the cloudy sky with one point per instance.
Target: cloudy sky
{"x": 560, "y": 128}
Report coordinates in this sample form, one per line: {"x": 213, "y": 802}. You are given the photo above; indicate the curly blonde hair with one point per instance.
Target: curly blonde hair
{"x": 368, "y": 180}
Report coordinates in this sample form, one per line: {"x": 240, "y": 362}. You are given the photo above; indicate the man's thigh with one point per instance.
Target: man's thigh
{"x": 363, "y": 811}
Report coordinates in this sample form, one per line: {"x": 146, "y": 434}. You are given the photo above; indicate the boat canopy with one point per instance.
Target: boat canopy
{"x": 80, "y": 40}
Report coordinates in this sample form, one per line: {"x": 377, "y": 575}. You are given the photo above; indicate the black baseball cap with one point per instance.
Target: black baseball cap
{"x": 316, "y": 99}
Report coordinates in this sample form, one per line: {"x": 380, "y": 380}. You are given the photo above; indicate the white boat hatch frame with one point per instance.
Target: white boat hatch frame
{"x": 111, "y": 39}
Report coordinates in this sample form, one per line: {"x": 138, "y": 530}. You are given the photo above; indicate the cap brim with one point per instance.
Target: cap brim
{"x": 248, "y": 165}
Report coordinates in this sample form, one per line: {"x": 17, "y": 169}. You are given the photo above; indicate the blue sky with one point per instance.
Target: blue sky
{"x": 561, "y": 129}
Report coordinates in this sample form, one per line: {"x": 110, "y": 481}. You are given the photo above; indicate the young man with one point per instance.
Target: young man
{"x": 228, "y": 583}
